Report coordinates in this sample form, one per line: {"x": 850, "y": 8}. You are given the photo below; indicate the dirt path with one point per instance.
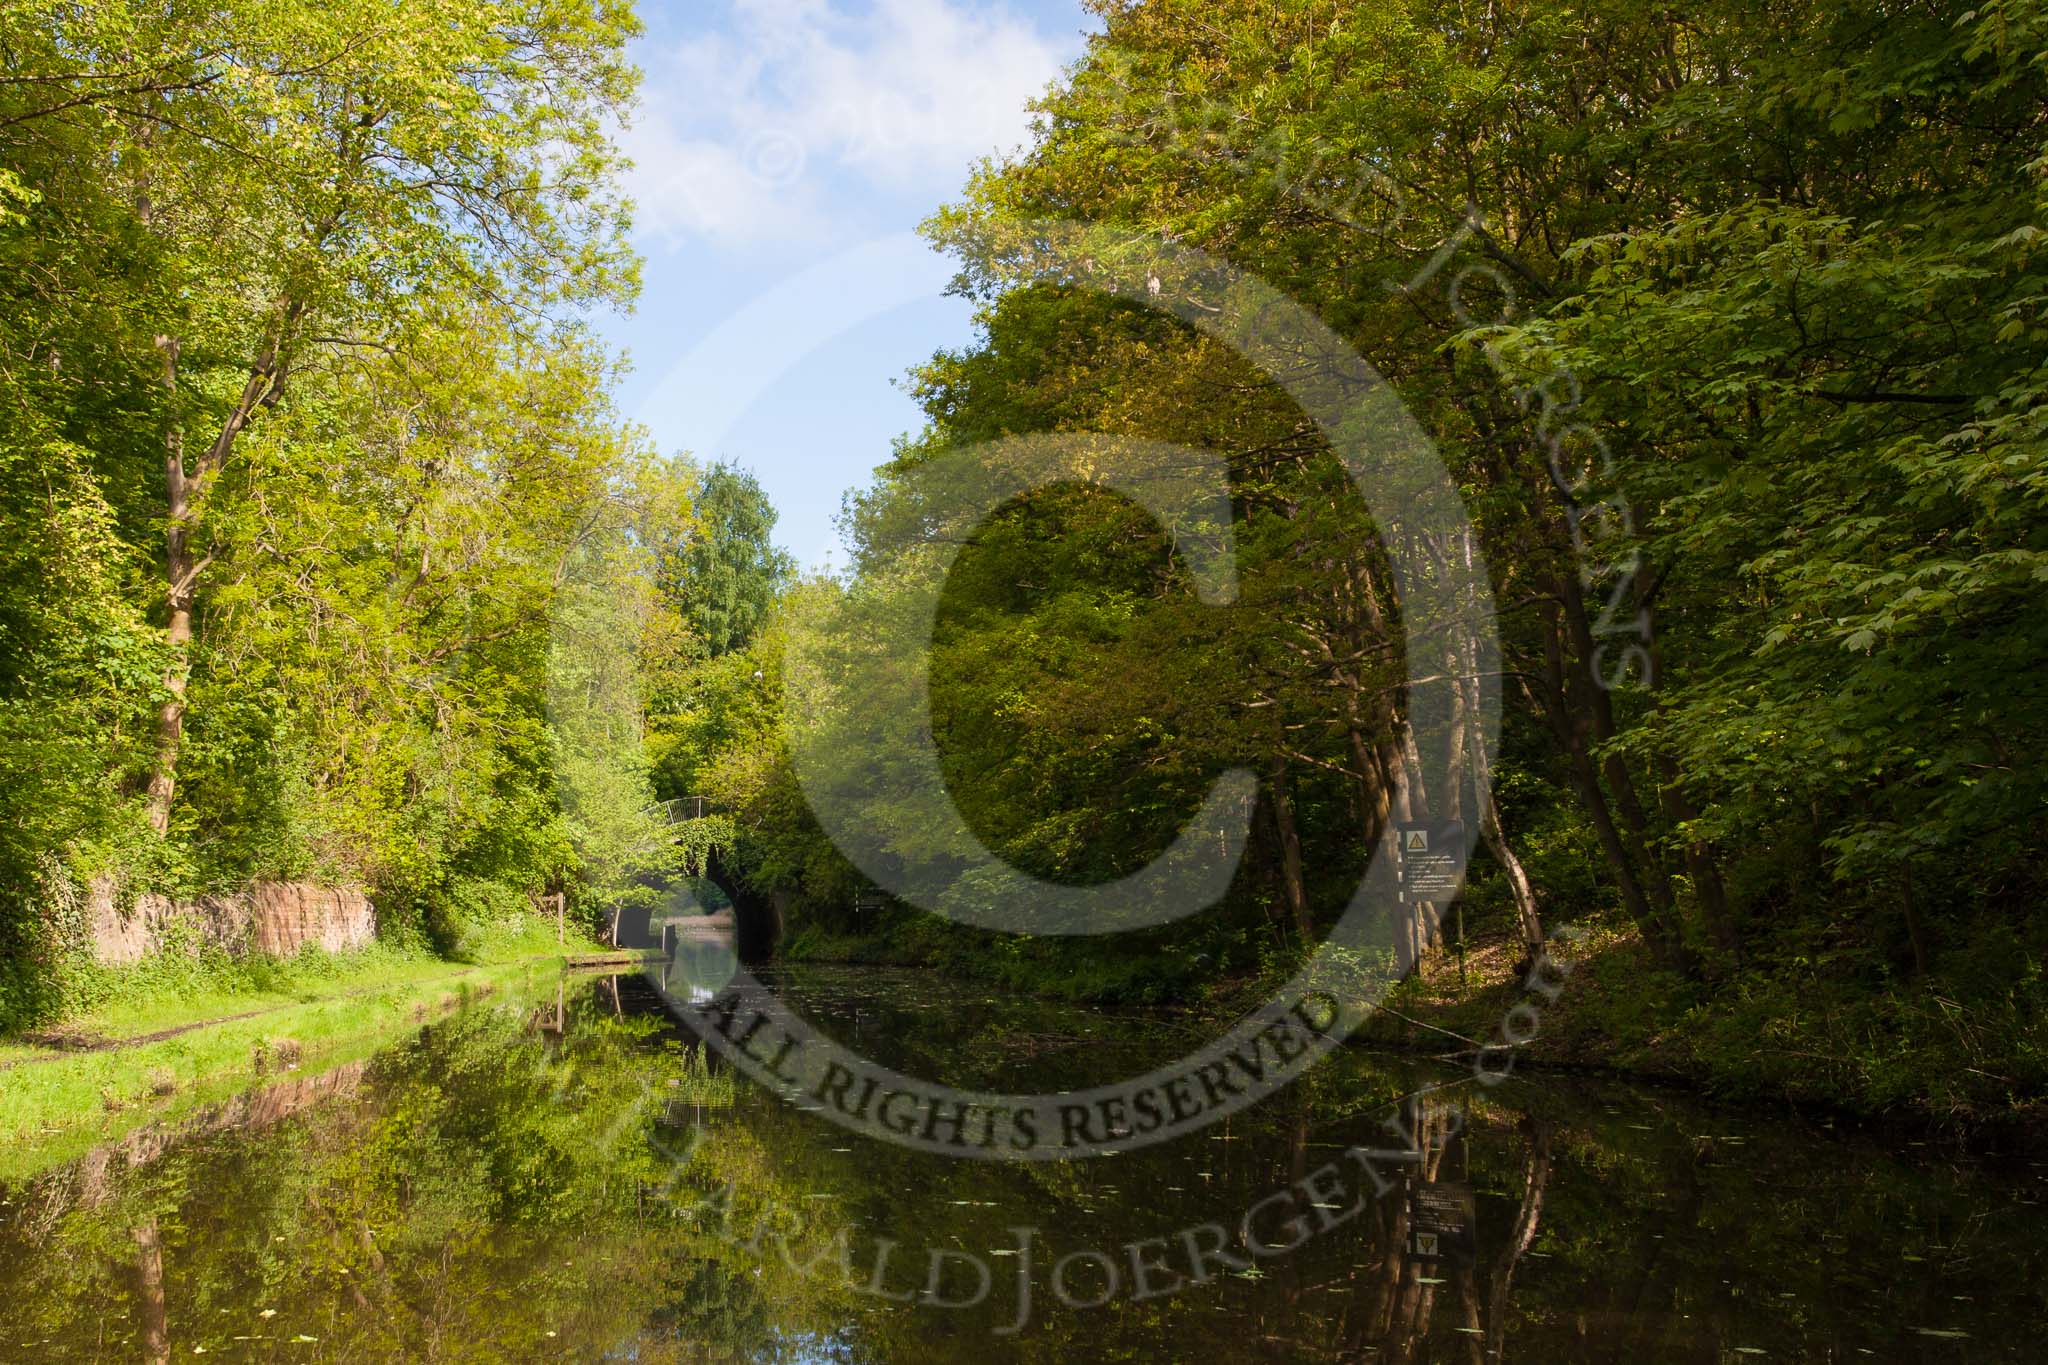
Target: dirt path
{"x": 62, "y": 1043}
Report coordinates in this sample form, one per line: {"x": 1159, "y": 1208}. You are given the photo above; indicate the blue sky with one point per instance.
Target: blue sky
{"x": 784, "y": 151}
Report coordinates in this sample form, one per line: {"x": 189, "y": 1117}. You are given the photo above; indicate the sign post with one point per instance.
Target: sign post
{"x": 1441, "y": 1215}
{"x": 1432, "y": 857}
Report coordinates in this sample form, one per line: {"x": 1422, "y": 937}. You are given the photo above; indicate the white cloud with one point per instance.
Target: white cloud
{"x": 751, "y": 129}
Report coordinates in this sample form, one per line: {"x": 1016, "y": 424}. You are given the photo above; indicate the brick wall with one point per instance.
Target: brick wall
{"x": 275, "y": 918}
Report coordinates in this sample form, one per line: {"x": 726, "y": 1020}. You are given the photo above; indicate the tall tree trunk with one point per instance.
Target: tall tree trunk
{"x": 1569, "y": 726}
{"x": 1289, "y": 839}
{"x": 1422, "y": 915}
{"x": 1383, "y": 798}
{"x": 1599, "y": 706}
{"x": 1376, "y": 803}
{"x": 179, "y": 576}
{"x": 1491, "y": 831}
{"x": 1535, "y": 1178}
{"x": 1391, "y": 762}
{"x": 1591, "y": 694}
{"x": 1700, "y": 864}
{"x": 182, "y": 566}
{"x": 1913, "y": 934}
{"x": 1399, "y": 774}
{"x": 1656, "y": 930}
{"x": 156, "y": 1332}
{"x": 1469, "y": 1327}
{"x": 1526, "y": 914}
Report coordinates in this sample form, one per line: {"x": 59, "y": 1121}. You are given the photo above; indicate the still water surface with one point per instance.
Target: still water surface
{"x": 533, "y": 1180}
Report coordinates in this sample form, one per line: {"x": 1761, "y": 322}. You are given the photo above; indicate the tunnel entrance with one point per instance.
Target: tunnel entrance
{"x": 757, "y": 921}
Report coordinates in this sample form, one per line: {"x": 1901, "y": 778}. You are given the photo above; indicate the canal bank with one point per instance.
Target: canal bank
{"x": 145, "y": 1058}
{"x": 1944, "y": 1056}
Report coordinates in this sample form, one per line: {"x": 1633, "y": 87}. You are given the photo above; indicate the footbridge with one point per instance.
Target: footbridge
{"x": 757, "y": 919}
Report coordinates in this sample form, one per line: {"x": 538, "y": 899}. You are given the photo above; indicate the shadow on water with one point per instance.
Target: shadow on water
{"x": 569, "y": 1176}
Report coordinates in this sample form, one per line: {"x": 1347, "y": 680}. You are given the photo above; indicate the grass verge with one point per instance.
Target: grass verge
{"x": 147, "y": 1058}
{"x": 1965, "y": 1054}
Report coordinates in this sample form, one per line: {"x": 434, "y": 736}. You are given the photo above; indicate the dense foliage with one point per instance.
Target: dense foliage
{"x": 320, "y": 532}
{"x": 1727, "y": 323}
{"x": 321, "y": 538}
{"x": 726, "y": 577}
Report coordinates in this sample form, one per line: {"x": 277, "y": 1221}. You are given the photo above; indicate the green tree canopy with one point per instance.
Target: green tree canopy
{"x": 725, "y": 574}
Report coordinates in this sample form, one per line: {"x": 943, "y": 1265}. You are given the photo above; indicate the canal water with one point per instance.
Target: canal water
{"x": 564, "y": 1173}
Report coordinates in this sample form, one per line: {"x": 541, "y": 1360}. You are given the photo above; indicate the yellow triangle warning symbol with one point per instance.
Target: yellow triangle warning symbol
{"x": 1415, "y": 841}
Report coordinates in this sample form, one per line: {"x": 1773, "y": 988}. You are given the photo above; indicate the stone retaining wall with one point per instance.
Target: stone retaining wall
{"x": 273, "y": 918}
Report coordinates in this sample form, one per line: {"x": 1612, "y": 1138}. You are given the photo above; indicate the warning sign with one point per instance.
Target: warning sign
{"x": 1440, "y": 1222}
{"x": 1432, "y": 860}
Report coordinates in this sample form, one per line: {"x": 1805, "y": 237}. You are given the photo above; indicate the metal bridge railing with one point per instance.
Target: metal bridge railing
{"x": 685, "y": 808}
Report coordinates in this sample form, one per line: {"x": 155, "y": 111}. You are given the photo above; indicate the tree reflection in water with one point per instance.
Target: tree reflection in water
{"x": 566, "y": 1177}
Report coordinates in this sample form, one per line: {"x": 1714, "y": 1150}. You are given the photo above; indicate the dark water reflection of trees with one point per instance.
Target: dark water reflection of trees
{"x": 518, "y": 1183}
